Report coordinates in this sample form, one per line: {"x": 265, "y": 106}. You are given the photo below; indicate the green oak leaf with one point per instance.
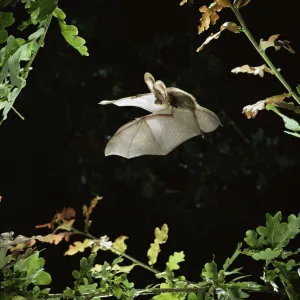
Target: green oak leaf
{"x": 174, "y": 259}
{"x": 210, "y": 271}
{"x": 266, "y": 254}
{"x": 274, "y": 231}
{"x": 40, "y": 10}
{"x": 70, "y": 33}
{"x": 252, "y": 240}
{"x": 6, "y": 19}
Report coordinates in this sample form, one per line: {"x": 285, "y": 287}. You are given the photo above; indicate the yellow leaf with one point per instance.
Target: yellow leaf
{"x": 79, "y": 247}
{"x": 119, "y": 245}
{"x": 54, "y": 238}
{"x": 152, "y": 253}
{"x": 251, "y": 110}
{"x": 161, "y": 235}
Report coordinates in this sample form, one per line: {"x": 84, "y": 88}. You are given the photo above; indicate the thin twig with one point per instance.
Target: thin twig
{"x": 20, "y": 116}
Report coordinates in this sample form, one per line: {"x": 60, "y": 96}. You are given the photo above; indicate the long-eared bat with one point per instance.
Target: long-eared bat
{"x": 175, "y": 117}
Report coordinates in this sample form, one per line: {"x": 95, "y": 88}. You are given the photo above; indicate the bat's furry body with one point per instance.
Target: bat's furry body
{"x": 176, "y": 117}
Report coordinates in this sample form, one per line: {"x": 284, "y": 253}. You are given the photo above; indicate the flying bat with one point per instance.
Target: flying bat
{"x": 175, "y": 117}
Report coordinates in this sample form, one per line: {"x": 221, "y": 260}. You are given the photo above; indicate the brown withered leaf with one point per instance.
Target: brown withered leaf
{"x": 119, "y": 245}
{"x": 263, "y": 45}
{"x": 213, "y": 36}
{"x": 49, "y": 225}
{"x": 285, "y": 45}
{"x": 233, "y": 27}
{"x": 288, "y": 105}
{"x": 79, "y": 247}
{"x": 223, "y": 3}
{"x": 251, "y": 110}
{"x": 252, "y": 70}
{"x": 209, "y": 16}
{"x": 240, "y": 3}
{"x": 67, "y": 213}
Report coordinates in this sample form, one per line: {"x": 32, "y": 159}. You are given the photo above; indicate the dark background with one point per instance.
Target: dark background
{"x": 209, "y": 191}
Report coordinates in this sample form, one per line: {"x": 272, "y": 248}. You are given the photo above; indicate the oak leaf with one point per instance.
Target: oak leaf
{"x": 54, "y": 238}
{"x": 251, "y": 110}
{"x": 209, "y": 16}
{"x": 67, "y": 213}
{"x": 78, "y": 247}
{"x": 119, "y": 245}
{"x": 233, "y": 27}
{"x": 252, "y": 70}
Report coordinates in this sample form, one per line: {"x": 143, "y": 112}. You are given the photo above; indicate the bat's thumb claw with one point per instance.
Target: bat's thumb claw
{"x": 104, "y": 102}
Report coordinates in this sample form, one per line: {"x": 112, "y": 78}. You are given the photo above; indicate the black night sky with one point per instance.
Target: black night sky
{"x": 209, "y": 191}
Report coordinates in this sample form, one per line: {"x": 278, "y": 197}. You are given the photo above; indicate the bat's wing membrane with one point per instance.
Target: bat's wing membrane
{"x": 145, "y": 101}
{"x": 207, "y": 120}
{"x": 155, "y": 134}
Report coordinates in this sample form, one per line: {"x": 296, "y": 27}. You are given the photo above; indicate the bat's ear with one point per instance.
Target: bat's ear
{"x": 160, "y": 91}
{"x": 149, "y": 80}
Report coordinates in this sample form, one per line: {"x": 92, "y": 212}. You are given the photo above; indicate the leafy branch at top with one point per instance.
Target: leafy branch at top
{"x": 210, "y": 16}
{"x": 16, "y": 51}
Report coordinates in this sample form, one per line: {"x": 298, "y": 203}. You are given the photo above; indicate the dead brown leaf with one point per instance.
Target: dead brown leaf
{"x": 271, "y": 42}
{"x": 252, "y": 70}
{"x": 213, "y": 36}
{"x": 49, "y": 225}
{"x": 251, "y": 110}
{"x": 209, "y": 16}
{"x": 286, "y": 45}
{"x": 67, "y": 213}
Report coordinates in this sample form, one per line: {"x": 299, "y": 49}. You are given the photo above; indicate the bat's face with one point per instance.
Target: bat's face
{"x": 172, "y": 96}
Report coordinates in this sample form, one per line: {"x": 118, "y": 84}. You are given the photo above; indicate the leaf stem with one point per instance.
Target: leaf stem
{"x": 151, "y": 291}
{"x": 262, "y": 53}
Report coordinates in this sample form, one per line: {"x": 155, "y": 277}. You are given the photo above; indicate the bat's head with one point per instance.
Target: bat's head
{"x": 173, "y": 96}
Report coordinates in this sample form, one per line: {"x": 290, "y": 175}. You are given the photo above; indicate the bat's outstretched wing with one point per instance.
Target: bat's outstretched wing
{"x": 145, "y": 101}
{"x": 208, "y": 121}
{"x": 155, "y": 134}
